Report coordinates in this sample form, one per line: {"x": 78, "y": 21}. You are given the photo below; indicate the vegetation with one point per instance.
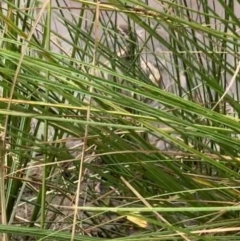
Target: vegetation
{"x": 121, "y": 122}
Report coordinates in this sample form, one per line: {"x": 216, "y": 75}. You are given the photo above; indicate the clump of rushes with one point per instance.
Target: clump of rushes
{"x": 134, "y": 110}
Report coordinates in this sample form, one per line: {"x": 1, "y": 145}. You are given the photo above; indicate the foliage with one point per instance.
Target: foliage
{"x": 135, "y": 122}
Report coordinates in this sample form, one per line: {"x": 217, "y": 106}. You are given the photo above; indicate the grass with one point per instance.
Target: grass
{"x": 122, "y": 131}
